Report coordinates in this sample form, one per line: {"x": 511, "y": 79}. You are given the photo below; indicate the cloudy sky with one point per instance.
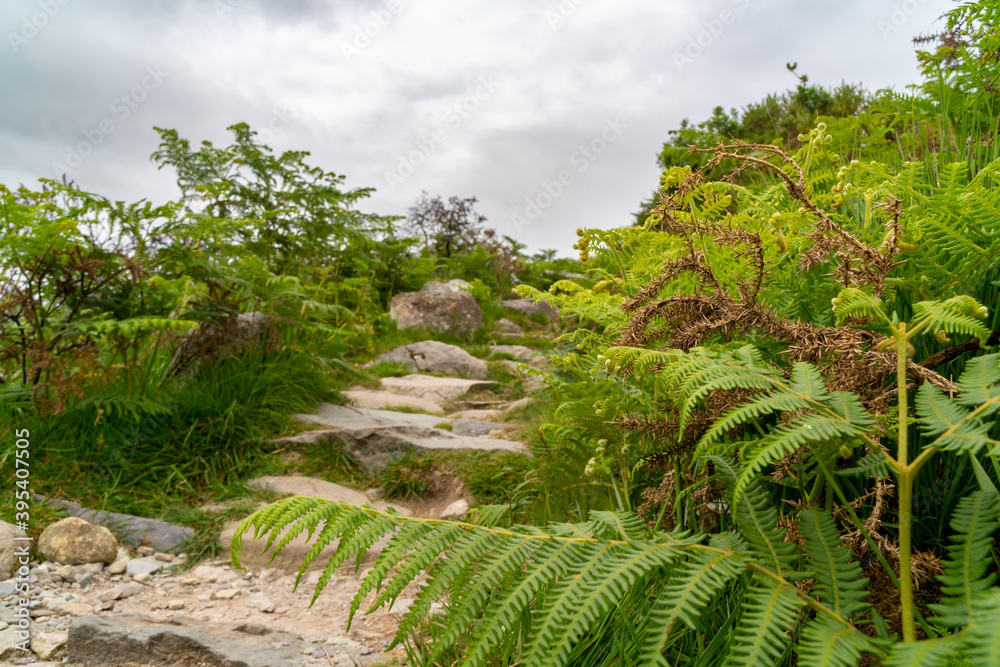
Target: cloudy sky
{"x": 550, "y": 112}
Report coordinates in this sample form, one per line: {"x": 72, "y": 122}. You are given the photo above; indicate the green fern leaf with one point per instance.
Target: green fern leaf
{"x": 837, "y": 573}
{"x": 769, "y": 612}
{"x": 829, "y": 643}
{"x": 965, "y": 579}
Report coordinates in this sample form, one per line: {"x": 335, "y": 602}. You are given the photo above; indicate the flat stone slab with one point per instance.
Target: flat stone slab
{"x": 438, "y": 390}
{"x": 107, "y": 640}
{"x": 474, "y": 428}
{"x": 387, "y": 400}
{"x": 313, "y": 487}
{"x": 347, "y": 417}
{"x": 133, "y": 530}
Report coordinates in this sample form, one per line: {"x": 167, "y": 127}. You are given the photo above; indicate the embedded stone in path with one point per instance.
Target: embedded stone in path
{"x": 476, "y": 415}
{"x": 431, "y": 356}
{"x": 529, "y": 307}
{"x": 132, "y": 530}
{"x": 474, "y": 427}
{"x": 438, "y": 306}
{"x": 376, "y": 437}
{"x": 437, "y": 390}
{"x": 383, "y": 400}
{"x": 107, "y": 640}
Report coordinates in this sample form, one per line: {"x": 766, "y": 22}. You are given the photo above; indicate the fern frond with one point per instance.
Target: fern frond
{"x": 853, "y": 302}
{"x": 980, "y": 383}
{"x": 828, "y": 643}
{"x": 959, "y": 314}
{"x": 768, "y": 613}
{"x": 956, "y": 427}
{"x": 837, "y": 573}
{"x": 692, "y": 585}
{"x": 965, "y": 577}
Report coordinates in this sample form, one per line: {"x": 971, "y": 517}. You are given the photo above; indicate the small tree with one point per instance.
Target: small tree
{"x": 446, "y": 228}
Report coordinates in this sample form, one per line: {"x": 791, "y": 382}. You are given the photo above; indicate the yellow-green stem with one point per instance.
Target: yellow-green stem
{"x": 905, "y": 487}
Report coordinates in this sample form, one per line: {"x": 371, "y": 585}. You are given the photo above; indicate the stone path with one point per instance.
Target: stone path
{"x": 142, "y": 610}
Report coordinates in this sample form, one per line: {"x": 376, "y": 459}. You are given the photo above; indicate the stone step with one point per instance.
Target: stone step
{"x": 383, "y": 400}
{"x": 439, "y": 390}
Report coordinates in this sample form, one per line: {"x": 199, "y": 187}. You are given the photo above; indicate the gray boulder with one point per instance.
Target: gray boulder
{"x": 437, "y": 306}
{"x": 431, "y": 356}
{"x": 8, "y": 547}
{"x": 73, "y": 541}
{"x": 529, "y": 308}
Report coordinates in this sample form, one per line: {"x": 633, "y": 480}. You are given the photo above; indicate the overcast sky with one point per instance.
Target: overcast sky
{"x": 550, "y": 112}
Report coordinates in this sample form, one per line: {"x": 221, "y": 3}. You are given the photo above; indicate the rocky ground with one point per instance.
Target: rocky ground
{"x": 144, "y": 608}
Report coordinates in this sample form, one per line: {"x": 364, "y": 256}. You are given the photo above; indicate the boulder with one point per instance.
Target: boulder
{"x": 8, "y": 547}
{"x": 73, "y": 541}
{"x": 443, "y": 307}
{"x": 431, "y": 356}
{"x": 529, "y": 308}
{"x": 437, "y": 390}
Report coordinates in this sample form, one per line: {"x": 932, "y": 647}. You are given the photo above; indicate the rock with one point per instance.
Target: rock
{"x": 9, "y": 639}
{"x": 8, "y": 587}
{"x": 146, "y": 550}
{"x": 132, "y": 530}
{"x": 110, "y": 594}
{"x": 175, "y": 605}
{"x": 529, "y": 308}
{"x": 120, "y": 562}
{"x": 8, "y": 548}
{"x": 436, "y": 389}
{"x": 376, "y": 437}
{"x": 456, "y": 510}
{"x": 260, "y": 602}
{"x": 73, "y": 541}
{"x": 247, "y": 332}
{"x": 129, "y": 589}
{"x": 431, "y": 356}
{"x": 142, "y": 577}
{"x": 381, "y": 400}
{"x": 519, "y": 404}
{"x": 293, "y": 485}
{"x": 44, "y": 644}
{"x": 442, "y": 307}
{"x": 476, "y": 429}
{"x": 523, "y": 354}
{"x": 226, "y": 594}
{"x": 166, "y": 558}
{"x": 105, "y": 640}
{"x": 508, "y": 328}
{"x": 75, "y": 609}
{"x": 144, "y": 565}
